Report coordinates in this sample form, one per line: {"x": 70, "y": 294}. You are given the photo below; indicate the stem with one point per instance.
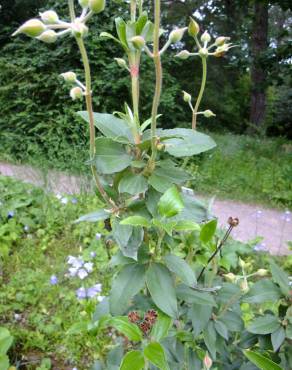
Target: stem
{"x": 140, "y": 5}
{"x": 158, "y": 87}
{"x": 134, "y": 62}
{"x": 133, "y": 10}
{"x": 71, "y": 10}
{"x": 200, "y": 96}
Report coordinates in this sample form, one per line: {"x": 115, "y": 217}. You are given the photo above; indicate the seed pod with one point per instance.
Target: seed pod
{"x": 138, "y": 42}
{"x": 221, "y": 40}
{"x": 76, "y": 93}
{"x": 83, "y": 3}
{"x": 193, "y": 28}
{"x": 206, "y": 38}
{"x": 176, "y": 35}
{"x": 187, "y": 97}
{"x": 208, "y": 113}
{"x": 96, "y": 6}
{"x": 233, "y": 221}
{"x": 69, "y": 77}
{"x": 49, "y": 17}
{"x": 121, "y": 62}
{"x": 134, "y": 317}
{"x": 151, "y": 317}
{"x": 31, "y": 28}
{"x": 48, "y": 36}
{"x": 184, "y": 54}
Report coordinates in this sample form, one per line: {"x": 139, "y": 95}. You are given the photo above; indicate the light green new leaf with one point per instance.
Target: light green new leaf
{"x": 131, "y": 331}
{"x": 161, "y": 287}
{"x": 154, "y": 352}
{"x": 171, "y": 203}
{"x": 133, "y": 184}
{"x": 96, "y": 216}
{"x": 179, "y": 267}
{"x": 4, "y": 362}
{"x": 136, "y": 221}
{"x": 280, "y": 277}
{"x": 161, "y": 327}
{"x": 129, "y": 282}
{"x": 260, "y": 361}
{"x": 6, "y": 340}
{"x": 133, "y": 360}
{"x": 264, "y": 325}
{"x": 187, "y": 226}
{"x": 208, "y": 231}
{"x": 121, "y": 31}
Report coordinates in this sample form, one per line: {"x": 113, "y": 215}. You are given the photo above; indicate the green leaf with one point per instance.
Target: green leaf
{"x": 194, "y": 210}
{"x": 263, "y": 291}
{"x": 111, "y": 127}
{"x": 154, "y": 352}
{"x": 188, "y": 143}
{"x": 171, "y": 203}
{"x": 133, "y": 184}
{"x": 131, "y": 331}
{"x": 280, "y": 277}
{"x": 96, "y": 216}
{"x": 200, "y": 316}
{"x": 129, "y": 282}
{"x": 5, "y": 340}
{"x": 210, "y": 336}
{"x": 4, "y": 362}
{"x": 161, "y": 327}
{"x": 186, "y": 226}
{"x": 192, "y": 296}
{"x": 278, "y": 338}
{"x": 264, "y": 325}
{"x": 179, "y": 267}
{"x": 107, "y": 35}
{"x": 289, "y": 331}
{"x": 260, "y": 361}
{"x": 121, "y": 31}
{"x": 136, "y": 221}
{"x": 232, "y": 321}
{"x": 208, "y": 231}
{"x": 133, "y": 360}
{"x": 110, "y": 157}
{"x": 221, "y": 329}
{"x": 161, "y": 287}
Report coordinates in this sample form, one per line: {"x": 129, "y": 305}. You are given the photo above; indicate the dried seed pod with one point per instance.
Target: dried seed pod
{"x": 145, "y": 326}
{"x": 233, "y": 221}
{"x": 134, "y": 317}
{"x": 151, "y": 317}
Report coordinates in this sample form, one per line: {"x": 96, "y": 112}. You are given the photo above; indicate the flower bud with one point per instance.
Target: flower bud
{"x": 121, "y": 62}
{"x": 49, "y": 17}
{"x": 83, "y": 3}
{"x": 241, "y": 263}
{"x": 96, "y": 6}
{"x": 79, "y": 29}
{"x": 206, "y": 38}
{"x": 230, "y": 277}
{"x": 208, "y": 113}
{"x": 176, "y": 35}
{"x": 203, "y": 52}
{"x": 184, "y": 54}
{"x": 138, "y": 42}
{"x": 187, "y": 97}
{"x": 262, "y": 272}
{"x": 244, "y": 286}
{"x": 160, "y": 147}
{"x": 32, "y": 28}
{"x": 48, "y": 36}
{"x": 221, "y": 50}
{"x": 76, "y": 93}
{"x": 69, "y": 77}
{"x": 193, "y": 28}
{"x": 221, "y": 40}
{"x": 207, "y": 362}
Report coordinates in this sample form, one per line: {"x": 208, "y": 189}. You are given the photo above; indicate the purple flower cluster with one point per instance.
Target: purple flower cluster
{"x": 92, "y": 292}
{"x": 79, "y": 267}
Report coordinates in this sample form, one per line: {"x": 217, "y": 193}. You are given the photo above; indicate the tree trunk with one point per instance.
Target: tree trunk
{"x": 259, "y": 44}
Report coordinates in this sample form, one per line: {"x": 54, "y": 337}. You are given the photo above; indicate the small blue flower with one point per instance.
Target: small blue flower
{"x": 81, "y": 293}
{"x": 10, "y": 214}
{"x": 26, "y": 228}
{"x": 92, "y": 254}
{"x": 74, "y": 201}
{"x": 82, "y": 274}
{"x": 97, "y": 236}
{"x": 261, "y": 247}
{"x": 54, "y": 280}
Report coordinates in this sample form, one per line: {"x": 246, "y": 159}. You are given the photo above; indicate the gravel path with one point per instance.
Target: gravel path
{"x": 274, "y": 226}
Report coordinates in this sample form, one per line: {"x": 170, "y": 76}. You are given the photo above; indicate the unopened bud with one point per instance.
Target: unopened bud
{"x": 96, "y": 6}
{"x": 121, "y": 62}
{"x": 221, "y": 40}
{"x": 262, "y": 272}
{"x": 76, "y": 93}
{"x": 176, "y": 35}
{"x": 193, "y": 28}
{"x": 241, "y": 263}
{"x": 49, "y": 17}
{"x": 208, "y": 113}
{"x": 184, "y": 54}
{"x": 138, "y": 42}
{"x": 244, "y": 286}
{"x": 207, "y": 362}
{"x": 230, "y": 277}
{"x": 79, "y": 29}
{"x": 31, "y": 28}
{"x": 187, "y": 97}
{"x": 48, "y": 36}
{"x": 69, "y": 77}
{"x": 203, "y": 52}
{"x": 206, "y": 38}
{"x": 160, "y": 147}
{"x": 83, "y": 3}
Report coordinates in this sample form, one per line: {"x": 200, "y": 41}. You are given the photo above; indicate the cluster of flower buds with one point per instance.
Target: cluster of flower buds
{"x": 188, "y": 99}
{"x": 77, "y": 92}
{"x": 217, "y": 49}
{"x": 44, "y": 28}
{"x": 146, "y": 323}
